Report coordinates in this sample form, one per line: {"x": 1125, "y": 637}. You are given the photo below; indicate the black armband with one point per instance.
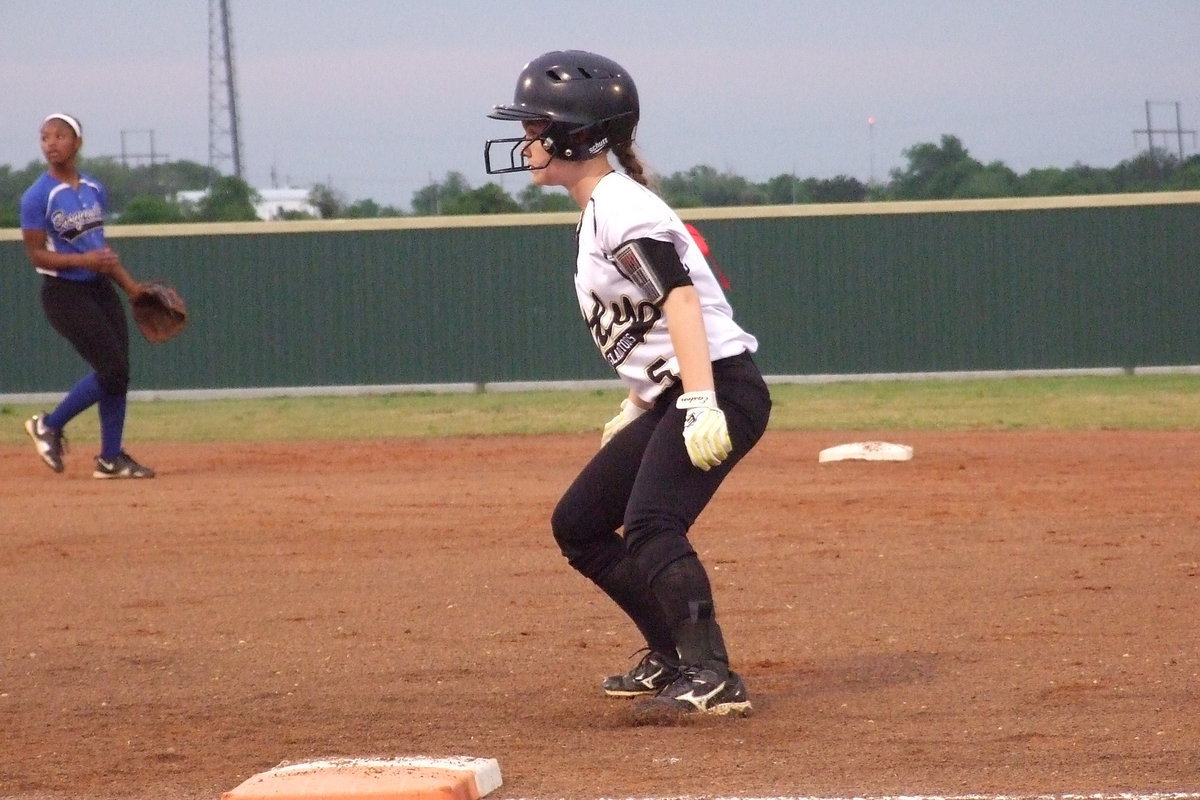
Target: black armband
{"x": 652, "y": 265}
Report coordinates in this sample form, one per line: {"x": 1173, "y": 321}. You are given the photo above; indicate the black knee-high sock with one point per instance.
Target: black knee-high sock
{"x": 686, "y": 596}
{"x": 625, "y": 584}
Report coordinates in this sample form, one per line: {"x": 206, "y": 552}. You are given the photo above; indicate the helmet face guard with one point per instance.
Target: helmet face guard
{"x": 516, "y": 156}
{"x": 560, "y": 140}
{"x": 517, "y": 145}
{"x": 589, "y": 103}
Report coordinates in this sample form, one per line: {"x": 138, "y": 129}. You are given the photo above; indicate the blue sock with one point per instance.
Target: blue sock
{"x": 82, "y": 396}
{"x": 112, "y": 425}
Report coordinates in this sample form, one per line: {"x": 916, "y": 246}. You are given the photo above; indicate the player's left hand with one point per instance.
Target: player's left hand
{"x": 705, "y": 432}
{"x": 629, "y": 412}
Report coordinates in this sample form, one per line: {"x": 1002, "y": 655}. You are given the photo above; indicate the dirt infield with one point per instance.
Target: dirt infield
{"x": 1008, "y": 612}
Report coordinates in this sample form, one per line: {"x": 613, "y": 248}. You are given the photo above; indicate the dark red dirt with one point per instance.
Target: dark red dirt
{"x": 1006, "y": 613}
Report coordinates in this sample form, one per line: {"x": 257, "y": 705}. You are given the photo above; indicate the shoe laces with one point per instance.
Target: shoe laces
{"x": 690, "y": 674}
{"x": 56, "y": 436}
{"x": 127, "y": 460}
{"x": 646, "y": 651}
{"x": 649, "y": 653}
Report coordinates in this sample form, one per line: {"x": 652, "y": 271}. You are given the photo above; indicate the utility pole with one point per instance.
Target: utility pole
{"x": 871, "y": 147}
{"x": 224, "y": 142}
{"x": 153, "y": 156}
{"x": 1178, "y": 130}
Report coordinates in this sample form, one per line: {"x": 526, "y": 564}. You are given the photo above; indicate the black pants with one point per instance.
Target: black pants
{"x": 643, "y": 480}
{"x": 91, "y": 317}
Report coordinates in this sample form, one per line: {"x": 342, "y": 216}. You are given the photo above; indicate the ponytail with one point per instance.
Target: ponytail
{"x": 631, "y": 164}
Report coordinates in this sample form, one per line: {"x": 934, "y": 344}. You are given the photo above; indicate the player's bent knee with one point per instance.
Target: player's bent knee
{"x": 571, "y": 532}
{"x": 588, "y": 549}
{"x": 654, "y": 551}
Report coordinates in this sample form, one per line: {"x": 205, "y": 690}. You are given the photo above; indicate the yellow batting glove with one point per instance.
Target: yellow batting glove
{"x": 705, "y": 433}
{"x": 629, "y": 412}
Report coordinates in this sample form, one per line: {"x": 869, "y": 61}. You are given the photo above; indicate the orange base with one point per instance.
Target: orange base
{"x": 374, "y": 779}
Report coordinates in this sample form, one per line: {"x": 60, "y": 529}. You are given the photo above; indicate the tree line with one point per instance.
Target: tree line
{"x": 943, "y": 170}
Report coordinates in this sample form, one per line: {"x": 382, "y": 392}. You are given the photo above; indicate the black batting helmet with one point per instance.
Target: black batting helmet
{"x": 589, "y": 102}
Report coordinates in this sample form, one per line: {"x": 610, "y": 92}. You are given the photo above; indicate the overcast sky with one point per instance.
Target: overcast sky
{"x": 380, "y": 97}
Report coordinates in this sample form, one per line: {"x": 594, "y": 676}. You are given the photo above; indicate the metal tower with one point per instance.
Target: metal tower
{"x": 223, "y": 141}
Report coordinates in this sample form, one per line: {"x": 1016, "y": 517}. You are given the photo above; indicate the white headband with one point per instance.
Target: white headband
{"x": 67, "y": 118}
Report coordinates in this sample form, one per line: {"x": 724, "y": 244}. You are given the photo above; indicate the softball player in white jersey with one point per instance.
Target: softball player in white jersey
{"x": 697, "y": 402}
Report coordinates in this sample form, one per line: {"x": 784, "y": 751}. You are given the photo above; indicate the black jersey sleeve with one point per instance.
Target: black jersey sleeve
{"x": 652, "y": 265}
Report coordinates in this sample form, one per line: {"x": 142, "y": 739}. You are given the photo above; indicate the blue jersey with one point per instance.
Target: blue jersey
{"x": 73, "y": 219}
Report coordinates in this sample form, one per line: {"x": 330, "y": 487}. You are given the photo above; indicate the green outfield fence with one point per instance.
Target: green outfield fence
{"x": 1066, "y": 283}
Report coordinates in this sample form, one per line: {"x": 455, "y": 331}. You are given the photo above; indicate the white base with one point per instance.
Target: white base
{"x": 866, "y": 451}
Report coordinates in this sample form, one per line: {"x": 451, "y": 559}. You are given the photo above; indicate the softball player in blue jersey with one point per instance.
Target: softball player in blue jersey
{"x": 697, "y": 402}
{"x": 62, "y": 225}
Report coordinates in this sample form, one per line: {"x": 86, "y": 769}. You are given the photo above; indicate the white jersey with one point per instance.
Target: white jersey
{"x": 630, "y": 328}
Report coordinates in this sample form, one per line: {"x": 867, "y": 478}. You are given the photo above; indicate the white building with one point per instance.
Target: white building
{"x": 272, "y": 203}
